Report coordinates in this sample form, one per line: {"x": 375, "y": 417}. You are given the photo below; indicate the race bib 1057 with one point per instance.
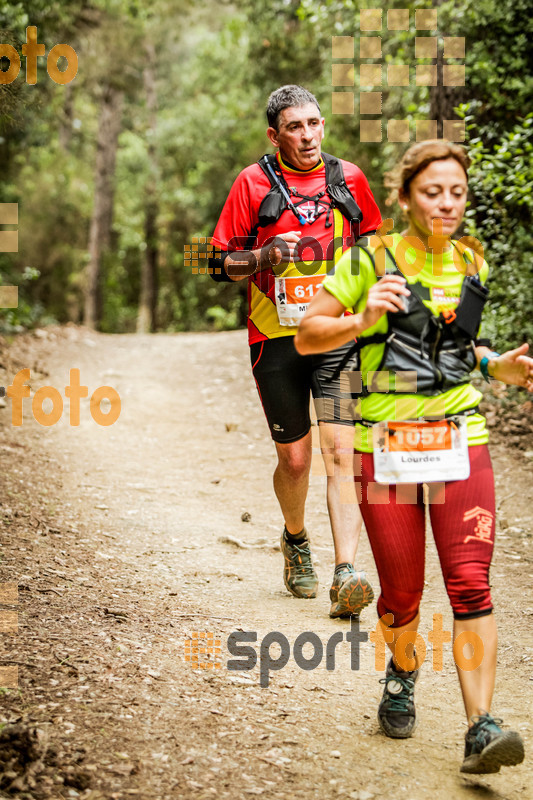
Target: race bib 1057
{"x": 421, "y": 452}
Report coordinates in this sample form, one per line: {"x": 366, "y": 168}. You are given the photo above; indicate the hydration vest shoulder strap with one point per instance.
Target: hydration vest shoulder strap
{"x": 270, "y": 160}
{"x": 274, "y": 203}
{"x": 466, "y": 319}
{"x": 362, "y": 341}
{"x": 277, "y": 199}
{"x": 338, "y": 191}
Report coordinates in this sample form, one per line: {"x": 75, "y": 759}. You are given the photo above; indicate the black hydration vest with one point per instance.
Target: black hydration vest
{"x": 277, "y": 199}
{"x": 439, "y": 351}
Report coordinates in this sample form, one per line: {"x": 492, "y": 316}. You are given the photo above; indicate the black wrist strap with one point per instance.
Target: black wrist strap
{"x": 217, "y": 270}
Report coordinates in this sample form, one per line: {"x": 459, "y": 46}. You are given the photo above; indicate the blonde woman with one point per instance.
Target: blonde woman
{"x": 418, "y": 298}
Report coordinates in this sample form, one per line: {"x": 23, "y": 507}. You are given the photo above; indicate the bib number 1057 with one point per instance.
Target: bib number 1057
{"x": 421, "y": 452}
{"x": 430, "y": 437}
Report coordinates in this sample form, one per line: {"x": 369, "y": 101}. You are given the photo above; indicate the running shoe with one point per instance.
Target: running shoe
{"x": 349, "y": 593}
{"x": 487, "y": 747}
{"x": 396, "y": 712}
{"x": 298, "y": 572}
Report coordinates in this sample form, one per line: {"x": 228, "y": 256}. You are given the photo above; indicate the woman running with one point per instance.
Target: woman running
{"x": 418, "y": 298}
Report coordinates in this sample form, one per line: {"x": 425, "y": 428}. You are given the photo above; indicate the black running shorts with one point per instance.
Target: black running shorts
{"x": 285, "y": 379}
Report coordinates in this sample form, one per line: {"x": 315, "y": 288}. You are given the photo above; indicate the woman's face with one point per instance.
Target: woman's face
{"x": 437, "y": 192}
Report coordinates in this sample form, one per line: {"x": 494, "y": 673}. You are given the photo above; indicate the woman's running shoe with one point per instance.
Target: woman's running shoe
{"x": 396, "y": 712}
{"x": 487, "y": 747}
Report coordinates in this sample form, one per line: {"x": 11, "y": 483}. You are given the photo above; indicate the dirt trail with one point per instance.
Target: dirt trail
{"x": 114, "y": 536}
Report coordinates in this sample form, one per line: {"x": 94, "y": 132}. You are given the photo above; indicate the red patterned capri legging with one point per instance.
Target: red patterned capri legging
{"x": 462, "y": 520}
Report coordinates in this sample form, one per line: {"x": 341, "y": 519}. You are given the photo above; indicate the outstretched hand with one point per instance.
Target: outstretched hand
{"x": 515, "y": 368}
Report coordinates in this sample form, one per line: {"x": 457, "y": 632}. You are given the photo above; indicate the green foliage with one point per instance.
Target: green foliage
{"x": 501, "y": 217}
{"x": 499, "y": 58}
{"x": 216, "y": 65}
{"x": 26, "y": 314}
{"x": 286, "y": 44}
{"x": 224, "y": 319}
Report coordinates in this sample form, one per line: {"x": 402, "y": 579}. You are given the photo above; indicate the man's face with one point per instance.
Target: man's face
{"x": 300, "y": 132}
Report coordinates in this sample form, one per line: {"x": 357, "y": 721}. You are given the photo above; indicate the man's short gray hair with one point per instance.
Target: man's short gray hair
{"x": 286, "y": 97}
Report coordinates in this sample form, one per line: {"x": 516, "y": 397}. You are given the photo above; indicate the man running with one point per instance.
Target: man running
{"x": 288, "y": 211}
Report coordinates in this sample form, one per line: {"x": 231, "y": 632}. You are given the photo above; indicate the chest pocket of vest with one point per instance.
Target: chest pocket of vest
{"x": 455, "y": 365}
{"x": 415, "y": 367}
{"x": 403, "y": 355}
{"x": 272, "y": 207}
{"x": 424, "y": 346}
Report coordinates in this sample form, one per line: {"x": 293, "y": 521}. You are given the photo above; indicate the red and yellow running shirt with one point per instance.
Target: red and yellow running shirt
{"x": 324, "y": 239}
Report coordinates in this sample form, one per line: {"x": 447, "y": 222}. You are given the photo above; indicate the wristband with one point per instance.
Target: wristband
{"x": 484, "y": 365}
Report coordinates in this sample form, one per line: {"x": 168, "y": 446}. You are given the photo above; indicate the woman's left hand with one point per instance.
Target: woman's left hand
{"x": 513, "y": 367}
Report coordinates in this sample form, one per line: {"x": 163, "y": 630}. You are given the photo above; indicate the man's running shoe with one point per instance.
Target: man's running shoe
{"x": 298, "y": 573}
{"x": 349, "y": 593}
{"x": 487, "y": 747}
{"x": 396, "y": 712}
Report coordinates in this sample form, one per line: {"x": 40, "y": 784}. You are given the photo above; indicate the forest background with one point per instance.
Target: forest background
{"x": 116, "y": 171}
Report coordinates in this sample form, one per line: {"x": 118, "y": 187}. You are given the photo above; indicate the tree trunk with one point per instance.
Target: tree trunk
{"x": 443, "y": 99}
{"x": 100, "y": 232}
{"x": 146, "y": 319}
{"x": 66, "y": 118}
